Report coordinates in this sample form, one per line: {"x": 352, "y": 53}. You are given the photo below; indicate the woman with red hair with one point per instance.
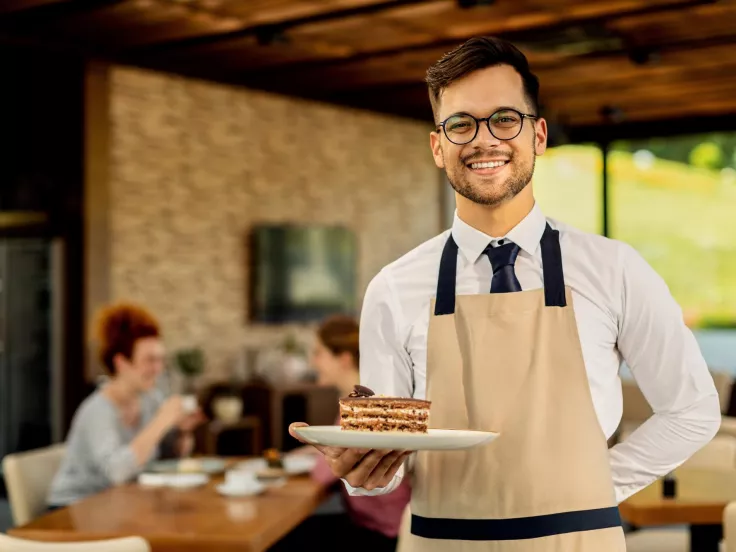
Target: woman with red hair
{"x": 126, "y": 423}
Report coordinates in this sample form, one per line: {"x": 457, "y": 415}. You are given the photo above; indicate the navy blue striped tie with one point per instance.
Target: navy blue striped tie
{"x": 502, "y": 260}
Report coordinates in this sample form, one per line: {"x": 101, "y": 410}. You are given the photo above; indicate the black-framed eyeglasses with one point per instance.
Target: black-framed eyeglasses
{"x": 504, "y": 124}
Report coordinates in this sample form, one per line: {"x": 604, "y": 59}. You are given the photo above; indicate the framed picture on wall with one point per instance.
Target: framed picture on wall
{"x": 301, "y": 273}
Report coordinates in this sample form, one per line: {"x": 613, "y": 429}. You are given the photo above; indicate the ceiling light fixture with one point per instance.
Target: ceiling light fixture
{"x": 468, "y": 4}
{"x": 644, "y": 56}
{"x": 268, "y": 36}
{"x": 613, "y": 114}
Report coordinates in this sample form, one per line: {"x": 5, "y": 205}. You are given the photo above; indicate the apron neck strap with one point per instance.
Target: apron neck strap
{"x": 554, "y": 279}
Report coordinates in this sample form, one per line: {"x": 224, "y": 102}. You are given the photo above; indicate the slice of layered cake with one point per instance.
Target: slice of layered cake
{"x": 362, "y": 410}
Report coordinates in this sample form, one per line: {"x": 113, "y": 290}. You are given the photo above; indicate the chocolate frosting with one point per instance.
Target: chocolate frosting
{"x": 361, "y": 391}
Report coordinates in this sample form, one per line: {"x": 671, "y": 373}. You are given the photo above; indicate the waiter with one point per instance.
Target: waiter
{"x": 514, "y": 323}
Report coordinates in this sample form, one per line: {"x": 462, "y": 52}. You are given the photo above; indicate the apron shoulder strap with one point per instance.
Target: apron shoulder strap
{"x": 445, "y": 302}
{"x": 554, "y": 277}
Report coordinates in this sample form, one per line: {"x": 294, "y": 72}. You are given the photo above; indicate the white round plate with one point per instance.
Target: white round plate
{"x": 198, "y": 465}
{"x": 187, "y": 480}
{"x": 248, "y": 490}
{"x": 254, "y": 464}
{"x": 152, "y": 480}
{"x": 294, "y": 464}
{"x": 434, "y": 439}
{"x": 177, "y": 480}
{"x": 298, "y": 464}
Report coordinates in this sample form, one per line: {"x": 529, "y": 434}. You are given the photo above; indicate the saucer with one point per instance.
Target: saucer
{"x": 251, "y": 489}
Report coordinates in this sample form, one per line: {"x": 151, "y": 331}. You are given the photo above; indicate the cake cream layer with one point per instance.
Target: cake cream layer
{"x": 406, "y": 413}
{"x": 387, "y": 419}
{"x": 390, "y": 403}
{"x": 388, "y": 425}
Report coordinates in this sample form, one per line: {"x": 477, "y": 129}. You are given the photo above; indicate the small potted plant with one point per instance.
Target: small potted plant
{"x": 295, "y": 363}
{"x": 190, "y": 363}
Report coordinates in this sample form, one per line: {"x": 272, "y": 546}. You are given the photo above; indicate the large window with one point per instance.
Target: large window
{"x": 568, "y": 185}
{"x": 674, "y": 200}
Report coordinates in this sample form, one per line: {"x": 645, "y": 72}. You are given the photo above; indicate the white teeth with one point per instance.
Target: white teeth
{"x": 488, "y": 165}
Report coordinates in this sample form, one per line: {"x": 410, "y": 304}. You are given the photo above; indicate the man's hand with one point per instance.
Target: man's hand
{"x": 364, "y": 468}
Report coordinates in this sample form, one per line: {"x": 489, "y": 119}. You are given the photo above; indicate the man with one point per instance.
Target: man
{"x": 513, "y": 323}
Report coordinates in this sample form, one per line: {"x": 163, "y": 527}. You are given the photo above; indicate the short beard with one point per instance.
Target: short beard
{"x": 515, "y": 183}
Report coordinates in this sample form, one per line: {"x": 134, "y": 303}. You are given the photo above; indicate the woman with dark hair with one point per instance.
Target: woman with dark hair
{"x": 371, "y": 523}
{"x": 126, "y": 423}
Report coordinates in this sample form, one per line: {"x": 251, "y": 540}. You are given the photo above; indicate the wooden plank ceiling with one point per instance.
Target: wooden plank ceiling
{"x": 600, "y": 61}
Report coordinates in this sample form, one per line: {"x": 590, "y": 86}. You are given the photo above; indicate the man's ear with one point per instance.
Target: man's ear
{"x": 436, "y": 145}
{"x": 540, "y": 136}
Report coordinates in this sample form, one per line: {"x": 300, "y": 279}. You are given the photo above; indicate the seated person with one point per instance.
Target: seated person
{"x": 127, "y": 422}
{"x": 372, "y": 522}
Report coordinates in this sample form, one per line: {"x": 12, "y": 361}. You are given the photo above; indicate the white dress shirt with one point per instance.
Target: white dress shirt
{"x": 624, "y": 311}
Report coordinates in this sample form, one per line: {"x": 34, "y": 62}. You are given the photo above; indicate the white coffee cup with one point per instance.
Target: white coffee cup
{"x": 240, "y": 479}
{"x": 189, "y": 403}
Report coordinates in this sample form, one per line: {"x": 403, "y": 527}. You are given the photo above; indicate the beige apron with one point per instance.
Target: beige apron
{"x": 512, "y": 363}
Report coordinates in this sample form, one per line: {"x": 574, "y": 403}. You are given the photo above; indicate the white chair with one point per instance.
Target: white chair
{"x": 719, "y": 453}
{"x": 728, "y": 426}
{"x": 729, "y": 528}
{"x": 126, "y": 544}
{"x": 28, "y": 476}
{"x": 636, "y": 409}
{"x": 724, "y": 384}
{"x": 404, "y": 530}
{"x": 658, "y": 540}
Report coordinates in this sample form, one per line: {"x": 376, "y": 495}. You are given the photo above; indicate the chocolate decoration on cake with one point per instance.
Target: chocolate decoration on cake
{"x": 361, "y": 391}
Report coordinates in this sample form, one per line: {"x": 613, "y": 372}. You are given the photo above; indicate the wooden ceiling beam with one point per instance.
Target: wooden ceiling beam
{"x": 723, "y": 107}
{"x": 709, "y": 68}
{"x": 417, "y": 107}
{"x": 658, "y": 98}
{"x": 638, "y": 101}
{"x": 599, "y": 17}
{"x": 277, "y": 26}
{"x": 404, "y": 69}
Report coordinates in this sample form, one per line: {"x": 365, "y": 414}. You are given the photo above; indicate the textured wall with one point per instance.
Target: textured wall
{"x": 193, "y": 165}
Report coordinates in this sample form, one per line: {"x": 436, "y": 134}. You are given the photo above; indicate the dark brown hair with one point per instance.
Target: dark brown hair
{"x": 119, "y": 327}
{"x": 340, "y": 334}
{"x": 475, "y": 54}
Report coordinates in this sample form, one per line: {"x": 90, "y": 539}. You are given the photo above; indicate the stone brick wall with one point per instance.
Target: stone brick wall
{"x": 192, "y": 165}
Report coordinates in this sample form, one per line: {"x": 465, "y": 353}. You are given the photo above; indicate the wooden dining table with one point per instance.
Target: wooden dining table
{"x": 701, "y": 497}
{"x": 182, "y": 520}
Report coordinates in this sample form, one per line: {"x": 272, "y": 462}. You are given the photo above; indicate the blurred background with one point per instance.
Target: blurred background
{"x": 243, "y": 168}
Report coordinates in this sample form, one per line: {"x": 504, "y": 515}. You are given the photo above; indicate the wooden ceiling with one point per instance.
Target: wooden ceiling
{"x": 599, "y": 61}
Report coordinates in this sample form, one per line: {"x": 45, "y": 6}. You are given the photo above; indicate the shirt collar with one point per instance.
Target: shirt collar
{"x": 526, "y": 235}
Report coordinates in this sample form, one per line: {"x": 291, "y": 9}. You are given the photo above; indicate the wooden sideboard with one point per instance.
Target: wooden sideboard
{"x": 275, "y": 407}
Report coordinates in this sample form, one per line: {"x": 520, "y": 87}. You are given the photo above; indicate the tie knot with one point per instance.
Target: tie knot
{"x": 504, "y": 255}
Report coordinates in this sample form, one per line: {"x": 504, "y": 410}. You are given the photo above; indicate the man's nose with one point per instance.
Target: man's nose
{"x": 485, "y": 138}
